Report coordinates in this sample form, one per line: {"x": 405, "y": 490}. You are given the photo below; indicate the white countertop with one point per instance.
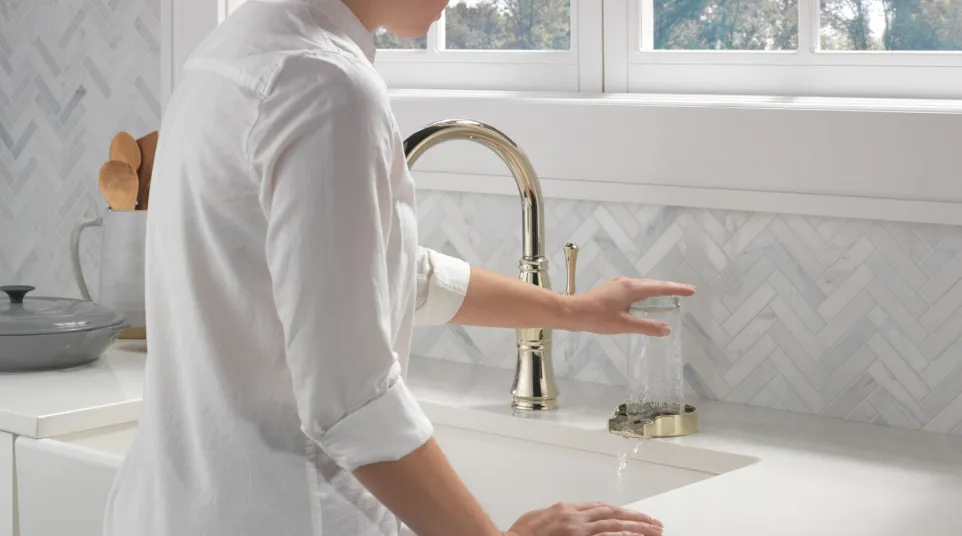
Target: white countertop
{"x": 103, "y": 393}
{"x": 813, "y": 475}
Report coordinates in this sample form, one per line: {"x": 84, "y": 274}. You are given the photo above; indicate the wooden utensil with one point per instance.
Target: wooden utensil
{"x": 119, "y": 185}
{"x": 124, "y": 148}
{"x": 148, "y": 148}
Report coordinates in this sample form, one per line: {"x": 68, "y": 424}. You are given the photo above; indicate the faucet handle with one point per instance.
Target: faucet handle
{"x": 571, "y": 259}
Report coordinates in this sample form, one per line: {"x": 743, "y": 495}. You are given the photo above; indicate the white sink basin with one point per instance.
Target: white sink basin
{"x": 511, "y": 465}
{"x": 511, "y": 476}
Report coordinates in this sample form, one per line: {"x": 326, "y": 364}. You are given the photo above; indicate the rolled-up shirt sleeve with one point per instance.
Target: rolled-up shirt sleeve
{"x": 322, "y": 147}
{"x": 442, "y": 285}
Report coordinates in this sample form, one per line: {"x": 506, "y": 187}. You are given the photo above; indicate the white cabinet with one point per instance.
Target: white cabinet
{"x": 62, "y": 486}
{"x": 8, "y": 520}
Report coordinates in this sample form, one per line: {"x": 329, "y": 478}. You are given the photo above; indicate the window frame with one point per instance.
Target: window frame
{"x": 805, "y": 72}
{"x": 680, "y": 150}
{"x": 578, "y": 69}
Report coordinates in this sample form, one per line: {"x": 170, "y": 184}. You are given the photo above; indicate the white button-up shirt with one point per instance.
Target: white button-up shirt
{"x": 283, "y": 283}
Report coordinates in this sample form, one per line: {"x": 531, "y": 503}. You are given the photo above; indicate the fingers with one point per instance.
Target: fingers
{"x": 591, "y": 505}
{"x": 646, "y": 288}
{"x": 617, "y": 526}
{"x": 606, "y": 512}
{"x": 628, "y": 533}
{"x": 646, "y": 326}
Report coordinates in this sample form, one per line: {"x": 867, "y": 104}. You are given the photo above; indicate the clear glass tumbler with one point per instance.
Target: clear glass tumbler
{"x": 655, "y": 381}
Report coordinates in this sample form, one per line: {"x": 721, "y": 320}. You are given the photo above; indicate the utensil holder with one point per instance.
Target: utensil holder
{"x": 121, "y": 266}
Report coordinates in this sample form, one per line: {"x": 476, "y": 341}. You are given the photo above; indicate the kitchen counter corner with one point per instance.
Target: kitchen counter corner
{"x": 106, "y": 392}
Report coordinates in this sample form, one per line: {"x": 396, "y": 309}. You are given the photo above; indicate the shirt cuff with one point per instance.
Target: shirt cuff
{"x": 446, "y": 285}
{"x": 385, "y": 429}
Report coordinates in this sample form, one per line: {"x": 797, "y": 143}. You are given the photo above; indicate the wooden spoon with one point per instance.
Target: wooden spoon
{"x": 148, "y": 148}
{"x": 124, "y": 148}
{"x": 118, "y": 184}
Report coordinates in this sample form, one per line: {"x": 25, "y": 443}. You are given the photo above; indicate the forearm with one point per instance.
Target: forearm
{"x": 495, "y": 300}
{"x": 426, "y": 494}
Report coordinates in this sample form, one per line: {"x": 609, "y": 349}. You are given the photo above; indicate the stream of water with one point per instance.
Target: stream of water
{"x": 624, "y": 451}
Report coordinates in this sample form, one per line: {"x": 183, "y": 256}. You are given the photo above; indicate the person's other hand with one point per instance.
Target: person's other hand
{"x": 604, "y": 309}
{"x": 585, "y": 519}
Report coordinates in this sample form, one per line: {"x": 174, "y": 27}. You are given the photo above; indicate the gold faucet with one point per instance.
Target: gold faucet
{"x": 534, "y": 385}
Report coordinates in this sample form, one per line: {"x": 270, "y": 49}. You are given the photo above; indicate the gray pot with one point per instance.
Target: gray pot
{"x": 52, "y": 333}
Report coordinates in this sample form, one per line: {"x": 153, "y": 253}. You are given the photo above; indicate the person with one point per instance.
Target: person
{"x": 283, "y": 283}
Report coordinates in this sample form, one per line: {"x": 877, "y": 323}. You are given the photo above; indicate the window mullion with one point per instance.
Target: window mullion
{"x": 587, "y": 42}
{"x": 435, "y": 41}
{"x": 809, "y": 17}
{"x": 618, "y": 32}
{"x": 647, "y": 21}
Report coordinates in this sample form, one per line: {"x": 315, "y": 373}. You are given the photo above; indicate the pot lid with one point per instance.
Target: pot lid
{"x": 22, "y": 315}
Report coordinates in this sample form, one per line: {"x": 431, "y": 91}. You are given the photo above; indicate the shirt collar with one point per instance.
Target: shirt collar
{"x": 347, "y": 23}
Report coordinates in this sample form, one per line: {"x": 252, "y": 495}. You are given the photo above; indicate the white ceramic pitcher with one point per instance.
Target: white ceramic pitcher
{"x": 121, "y": 265}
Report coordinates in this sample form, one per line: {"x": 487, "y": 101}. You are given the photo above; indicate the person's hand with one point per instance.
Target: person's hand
{"x": 604, "y": 309}
{"x": 585, "y": 519}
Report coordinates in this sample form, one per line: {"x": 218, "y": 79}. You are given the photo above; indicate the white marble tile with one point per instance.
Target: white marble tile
{"x": 800, "y": 332}
{"x": 894, "y": 280}
{"x": 748, "y": 362}
{"x": 897, "y": 312}
{"x": 948, "y": 419}
{"x": 943, "y": 393}
{"x": 756, "y": 223}
{"x": 853, "y": 397}
{"x": 797, "y": 354}
{"x": 804, "y": 255}
{"x": 743, "y": 289}
{"x": 846, "y": 264}
{"x": 789, "y": 267}
{"x": 796, "y": 379}
{"x": 846, "y": 292}
{"x": 659, "y": 249}
{"x": 907, "y": 377}
{"x": 940, "y": 311}
{"x": 749, "y": 309}
{"x": 753, "y": 384}
{"x": 853, "y": 313}
{"x": 899, "y": 340}
{"x": 898, "y": 256}
{"x": 619, "y": 236}
{"x": 847, "y": 373}
{"x": 897, "y": 390}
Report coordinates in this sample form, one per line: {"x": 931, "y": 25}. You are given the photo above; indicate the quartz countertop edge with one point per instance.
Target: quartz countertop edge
{"x": 50, "y": 403}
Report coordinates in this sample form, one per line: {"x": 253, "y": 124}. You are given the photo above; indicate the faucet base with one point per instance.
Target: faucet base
{"x": 652, "y": 424}
{"x": 534, "y": 385}
{"x": 531, "y": 404}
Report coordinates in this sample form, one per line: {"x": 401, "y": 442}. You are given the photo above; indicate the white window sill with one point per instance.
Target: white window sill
{"x": 864, "y": 158}
{"x": 699, "y": 101}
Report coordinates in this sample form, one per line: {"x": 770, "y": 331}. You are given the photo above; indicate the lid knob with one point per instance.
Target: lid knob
{"x": 17, "y": 292}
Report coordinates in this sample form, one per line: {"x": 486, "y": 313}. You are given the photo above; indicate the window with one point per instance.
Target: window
{"x": 863, "y": 48}
{"x": 501, "y": 44}
{"x": 926, "y": 25}
{"x": 832, "y": 48}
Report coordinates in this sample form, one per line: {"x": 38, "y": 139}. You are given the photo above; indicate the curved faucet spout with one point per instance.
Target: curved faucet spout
{"x": 534, "y": 382}
{"x": 529, "y": 187}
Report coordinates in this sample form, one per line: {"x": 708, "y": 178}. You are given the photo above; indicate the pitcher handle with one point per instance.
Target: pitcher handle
{"x": 75, "y": 254}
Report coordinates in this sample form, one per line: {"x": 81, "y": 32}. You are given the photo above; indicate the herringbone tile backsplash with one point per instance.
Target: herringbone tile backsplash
{"x": 846, "y": 318}
{"x": 72, "y": 74}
